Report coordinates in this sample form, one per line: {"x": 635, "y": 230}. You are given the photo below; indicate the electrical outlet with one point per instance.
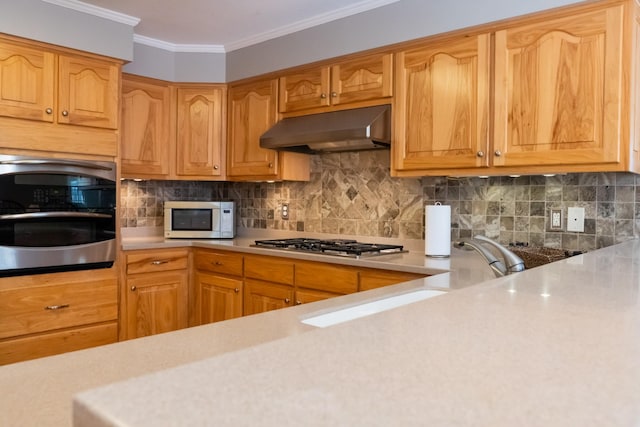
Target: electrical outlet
{"x": 555, "y": 219}
{"x": 575, "y": 219}
{"x": 284, "y": 211}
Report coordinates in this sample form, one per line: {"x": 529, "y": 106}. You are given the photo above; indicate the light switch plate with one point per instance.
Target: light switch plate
{"x": 575, "y": 219}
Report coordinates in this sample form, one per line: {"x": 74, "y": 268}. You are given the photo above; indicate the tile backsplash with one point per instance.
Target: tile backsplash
{"x": 353, "y": 194}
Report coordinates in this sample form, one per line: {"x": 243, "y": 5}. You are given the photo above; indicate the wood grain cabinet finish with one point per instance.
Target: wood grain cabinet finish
{"x": 201, "y": 131}
{"x": 54, "y": 313}
{"x": 367, "y": 78}
{"x": 218, "y": 286}
{"x": 370, "y": 278}
{"x": 253, "y": 109}
{"x": 269, "y": 283}
{"x": 156, "y": 292}
{"x": 442, "y": 105}
{"x": 558, "y": 90}
{"x": 145, "y": 128}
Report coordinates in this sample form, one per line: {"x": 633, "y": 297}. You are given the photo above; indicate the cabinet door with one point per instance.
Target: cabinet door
{"x": 442, "y": 105}
{"x": 252, "y": 111}
{"x": 146, "y": 114}
{"x": 558, "y": 90}
{"x": 200, "y": 131}
{"x": 371, "y": 278}
{"x": 156, "y": 303}
{"x": 26, "y": 82}
{"x": 326, "y": 277}
{"x": 304, "y": 90}
{"x": 88, "y": 92}
{"x": 366, "y": 78}
{"x": 304, "y": 296}
{"x": 220, "y": 297}
{"x": 262, "y": 296}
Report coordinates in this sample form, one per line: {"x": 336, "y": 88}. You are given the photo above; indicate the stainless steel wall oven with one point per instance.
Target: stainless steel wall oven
{"x": 56, "y": 215}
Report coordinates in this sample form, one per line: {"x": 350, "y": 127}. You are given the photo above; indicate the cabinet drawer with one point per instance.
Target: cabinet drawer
{"x": 44, "y": 308}
{"x": 152, "y": 261}
{"x": 219, "y": 262}
{"x": 325, "y": 277}
{"x": 32, "y": 347}
{"x": 371, "y": 278}
{"x": 271, "y": 269}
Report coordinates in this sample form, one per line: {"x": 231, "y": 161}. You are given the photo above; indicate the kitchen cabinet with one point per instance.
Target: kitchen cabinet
{"x": 156, "y": 291}
{"x": 559, "y": 101}
{"x": 218, "y": 286}
{"x": 200, "y": 138}
{"x": 253, "y": 109}
{"x": 47, "y": 314}
{"x": 146, "y": 128}
{"x": 371, "y": 278}
{"x": 329, "y": 278}
{"x": 44, "y": 90}
{"x": 268, "y": 283}
{"x": 362, "y": 79}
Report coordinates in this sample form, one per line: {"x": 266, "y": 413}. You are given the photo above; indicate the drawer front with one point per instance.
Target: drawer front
{"x": 371, "y": 279}
{"x": 271, "y": 269}
{"x": 44, "y": 308}
{"x": 325, "y": 277}
{"x": 152, "y": 261}
{"x": 27, "y": 348}
{"x": 219, "y": 262}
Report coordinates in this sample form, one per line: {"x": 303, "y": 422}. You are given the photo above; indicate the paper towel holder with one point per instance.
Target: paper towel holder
{"x": 438, "y": 231}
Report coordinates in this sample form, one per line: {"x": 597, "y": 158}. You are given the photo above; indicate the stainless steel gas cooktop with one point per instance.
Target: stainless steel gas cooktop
{"x": 340, "y": 247}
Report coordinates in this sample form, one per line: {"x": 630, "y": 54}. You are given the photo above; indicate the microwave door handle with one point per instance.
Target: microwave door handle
{"x": 55, "y": 163}
{"x": 36, "y": 215}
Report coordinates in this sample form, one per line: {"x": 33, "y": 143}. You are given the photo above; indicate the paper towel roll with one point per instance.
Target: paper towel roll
{"x": 437, "y": 230}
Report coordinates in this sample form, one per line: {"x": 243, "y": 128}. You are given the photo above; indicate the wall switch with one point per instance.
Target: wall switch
{"x": 575, "y": 219}
{"x": 555, "y": 219}
{"x": 284, "y": 210}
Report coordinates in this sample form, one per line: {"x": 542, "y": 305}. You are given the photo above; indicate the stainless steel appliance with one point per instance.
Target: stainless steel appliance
{"x": 341, "y": 247}
{"x": 56, "y": 215}
{"x": 199, "y": 220}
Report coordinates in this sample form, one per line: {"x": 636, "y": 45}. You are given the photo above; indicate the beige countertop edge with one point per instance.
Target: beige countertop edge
{"x": 555, "y": 346}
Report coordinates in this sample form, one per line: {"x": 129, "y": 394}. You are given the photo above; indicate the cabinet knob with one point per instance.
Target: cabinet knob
{"x": 480, "y": 154}
{"x": 216, "y": 167}
{"x": 498, "y": 153}
{"x": 217, "y": 263}
{"x": 158, "y": 262}
{"x": 56, "y": 307}
{"x": 323, "y": 95}
{"x": 298, "y": 302}
{"x": 236, "y": 290}
{"x": 334, "y": 94}
{"x": 49, "y": 110}
{"x": 133, "y": 288}
{"x": 270, "y": 165}
{"x": 287, "y": 300}
{"x": 65, "y": 113}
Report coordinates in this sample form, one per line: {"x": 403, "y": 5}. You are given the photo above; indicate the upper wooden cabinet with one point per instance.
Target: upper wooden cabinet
{"x": 172, "y": 131}
{"x": 145, "y": 129}
{"x": 441, "y": 108}
{"x": 368, "y": 78}
{"x": 52, "y": 89}
{"x": 252, "y": 111}
{"x": 560, "y": 101}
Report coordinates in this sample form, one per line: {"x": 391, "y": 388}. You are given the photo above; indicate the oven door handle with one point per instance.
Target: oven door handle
{"x": 37, "y": 215}
{"x": 55, "y": 163}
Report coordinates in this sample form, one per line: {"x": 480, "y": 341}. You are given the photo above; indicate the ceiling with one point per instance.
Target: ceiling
{"x": 220, "y": 25}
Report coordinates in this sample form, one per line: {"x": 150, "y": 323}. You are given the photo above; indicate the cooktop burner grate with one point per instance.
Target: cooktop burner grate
{"x": 340, "y": 247}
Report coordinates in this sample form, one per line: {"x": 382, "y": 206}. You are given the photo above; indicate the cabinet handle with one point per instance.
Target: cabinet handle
{"x": 498, "y": 153}
{"x": 298, "y": 302}
{"x": 49, "y": 110}
{"x": 133, "y": 288}
{"x": 65, "y": 113}
{"x": 270, "y": 165}
{"x": 217, "y": 263}
{"x": 323, "y": 95}
{"x": 236, "y": 290}
{"x": 287, "y": 300}
{"x": 216, "y": 167}
{"x": 334, "y": 95}
{"x": 159, "y": 262}
{"x": 56, "y": 307}
{"x": 480, "y": 154}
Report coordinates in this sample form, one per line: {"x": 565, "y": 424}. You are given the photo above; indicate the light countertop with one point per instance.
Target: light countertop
{"x": 552, "y": 346}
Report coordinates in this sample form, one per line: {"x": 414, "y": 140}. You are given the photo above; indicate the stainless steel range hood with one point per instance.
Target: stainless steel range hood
{"x": 347, "y": 130}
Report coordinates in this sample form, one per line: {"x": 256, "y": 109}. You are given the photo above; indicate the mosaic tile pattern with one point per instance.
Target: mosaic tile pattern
{"x": 353, "y": 194}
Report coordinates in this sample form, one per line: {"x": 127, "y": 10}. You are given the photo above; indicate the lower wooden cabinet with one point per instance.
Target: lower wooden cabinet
{"x": 371, "y": 278}
{"x": 261, "y": 296}
{"x": 156, "y": 292}
{"x": 47, "y": 314}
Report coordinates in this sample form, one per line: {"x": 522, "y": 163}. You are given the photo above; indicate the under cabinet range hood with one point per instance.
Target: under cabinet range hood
{"x": 347, "y": 130}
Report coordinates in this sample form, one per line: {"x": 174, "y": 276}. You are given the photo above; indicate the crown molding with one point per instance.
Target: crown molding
{"x": 96, "y": 11}
{"x": 172, "y": 47}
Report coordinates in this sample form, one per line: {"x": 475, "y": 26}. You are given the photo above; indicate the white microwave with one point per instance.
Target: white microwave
{"x": 199, "y": 220}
